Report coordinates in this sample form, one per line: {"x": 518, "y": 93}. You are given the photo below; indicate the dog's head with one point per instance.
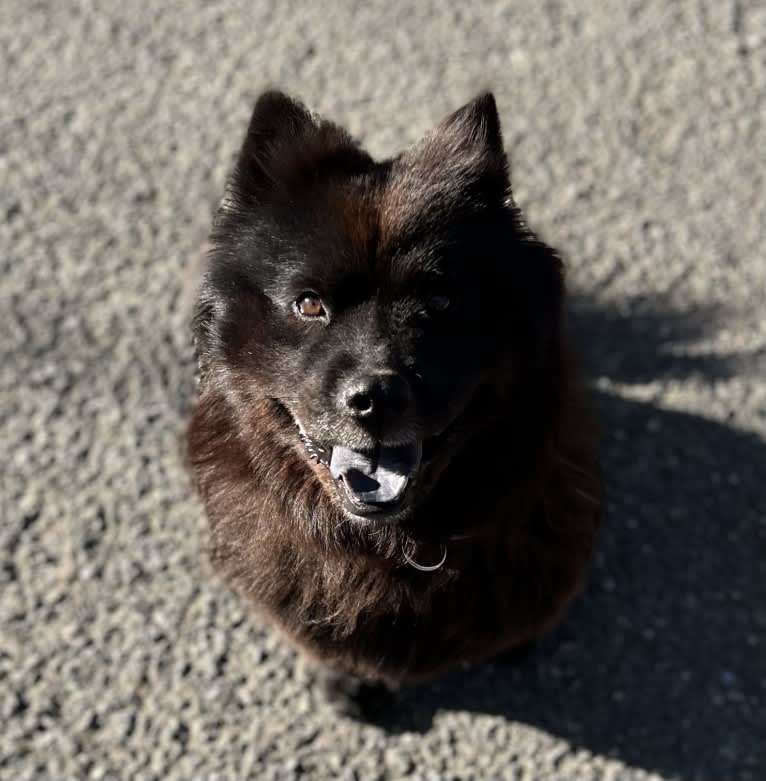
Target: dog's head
{"x": 376, "y": 302}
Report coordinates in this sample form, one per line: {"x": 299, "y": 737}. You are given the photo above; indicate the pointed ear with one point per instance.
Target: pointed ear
{"x": 470, "y": 139}
{"x": 277, "y": 119}
{"x": 285, "y": 145}
{"x": 475, "y": 126}
{"x": 459, "y": 168}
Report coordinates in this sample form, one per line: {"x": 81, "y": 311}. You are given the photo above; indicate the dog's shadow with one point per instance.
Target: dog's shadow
{"x": 662, "y": 661}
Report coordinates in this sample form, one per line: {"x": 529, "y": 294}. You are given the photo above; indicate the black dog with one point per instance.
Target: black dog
{"x": 393, "y": 453}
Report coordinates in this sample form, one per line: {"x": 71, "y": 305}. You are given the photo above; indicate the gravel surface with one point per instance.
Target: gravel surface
{"x": 637, "y": 136}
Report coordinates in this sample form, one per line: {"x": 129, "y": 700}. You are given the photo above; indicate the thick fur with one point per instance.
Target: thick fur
{"x": 510, "y": 482}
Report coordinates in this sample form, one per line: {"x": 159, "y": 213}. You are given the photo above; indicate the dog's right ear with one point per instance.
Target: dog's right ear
{"x": 277, "y": 121}
{"x": 286, "y": 145}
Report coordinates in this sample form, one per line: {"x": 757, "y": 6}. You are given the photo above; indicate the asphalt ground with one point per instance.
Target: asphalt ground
{"x": 636, "y": 133}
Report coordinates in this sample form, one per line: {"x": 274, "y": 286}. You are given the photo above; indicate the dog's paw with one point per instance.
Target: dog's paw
{"x": 357, "y": 698}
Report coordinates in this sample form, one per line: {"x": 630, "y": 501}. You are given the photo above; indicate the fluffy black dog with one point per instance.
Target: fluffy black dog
{"x": 392, "y": 450}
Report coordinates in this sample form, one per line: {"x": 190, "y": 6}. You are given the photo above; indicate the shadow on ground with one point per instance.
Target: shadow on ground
{"x": 661, "y": 663}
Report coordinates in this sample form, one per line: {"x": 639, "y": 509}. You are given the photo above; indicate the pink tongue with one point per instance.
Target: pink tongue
{"x": 376, "y": 477}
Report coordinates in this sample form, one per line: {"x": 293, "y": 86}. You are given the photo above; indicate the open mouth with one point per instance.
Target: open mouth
{"x": 371, "y": 482}
{"x": 375, "y": 481}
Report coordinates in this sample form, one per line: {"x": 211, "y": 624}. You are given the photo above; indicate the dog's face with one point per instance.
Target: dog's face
{"x": 372, "y": 300}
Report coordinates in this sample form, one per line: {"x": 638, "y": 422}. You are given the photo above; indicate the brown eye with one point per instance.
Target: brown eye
{"x": 309, "y": 305}
{"x": 438, "y": 303}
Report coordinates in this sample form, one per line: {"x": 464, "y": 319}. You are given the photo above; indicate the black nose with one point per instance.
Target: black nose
{"x": 375, "y": 396}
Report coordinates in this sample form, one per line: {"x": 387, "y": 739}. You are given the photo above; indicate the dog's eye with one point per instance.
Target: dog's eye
{"x": 309, "y": 305}
{"x": 438, "y": 303}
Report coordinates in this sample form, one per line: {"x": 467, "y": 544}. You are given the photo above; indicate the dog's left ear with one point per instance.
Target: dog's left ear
{"x": 474, "y": 128}
{"x": 457, "y": 169}
{"x": 467, "y": 144}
